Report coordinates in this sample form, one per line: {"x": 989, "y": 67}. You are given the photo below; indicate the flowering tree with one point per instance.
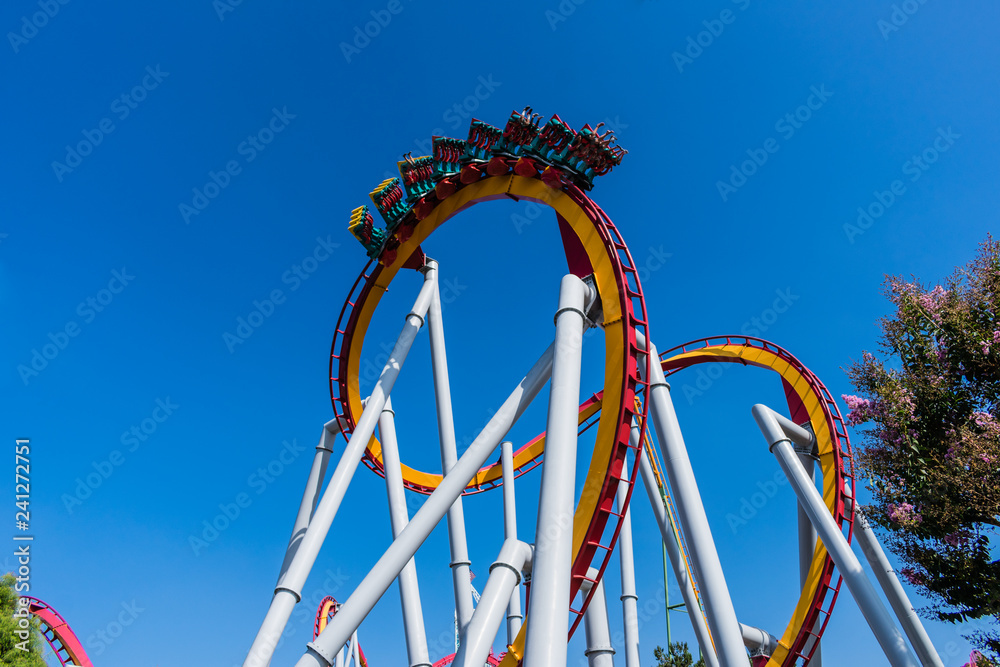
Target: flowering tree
{"x": 931, "y": 448}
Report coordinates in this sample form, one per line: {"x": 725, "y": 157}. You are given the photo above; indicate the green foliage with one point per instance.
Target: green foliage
{"x": 10, "y": 654}
{"x": 677, "y": 655}
{"x": 931, "y": 451}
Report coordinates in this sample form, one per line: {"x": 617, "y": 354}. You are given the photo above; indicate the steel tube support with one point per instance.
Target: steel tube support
{"x": 320, "y": 652}
{"x": 548, "y": 621}
{"x": 289, "y": 590}
{"x": 630, "y": 611}
{"x": 875, "y": 613}
{"x": 807, "y": 547}
{"x": 514, "y": 615}
{"x": 673, "y": 551}
{"x": 505, "y": 575}
{"x": 704, "y": 557}
{"x": 409, "y": 589}
{"x": 314, "y": 483}
{"x": 600, "y": 652}
{"x": 460, "y": 574}
{"x": 759, "y": 640}
{"x": 892, "y": 587}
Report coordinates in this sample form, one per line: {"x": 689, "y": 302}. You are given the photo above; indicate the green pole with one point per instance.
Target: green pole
{"x": 666, "y": 593}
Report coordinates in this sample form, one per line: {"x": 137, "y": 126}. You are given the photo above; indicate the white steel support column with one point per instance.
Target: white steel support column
{"x": 807, "y": 547}
{"x": 630, "y": 612}
{"x": 409, "y": 589}
{"x": 673, "y": 551}
{"x": 892, "y": 587}
{"x": 599, "y": 652}
{"x": 548, "y": 622}
{"x": 514, "y": 615}
{"x": 352, "y": 649}
{"x": 505, "y": 576}
{"x": 460, "y": 573}
{"x": 289, "y": 590}
{"x": 321, "y": 652}
{"x": 888, "y": 635}
{"x": 704, "y": 557}
{"x": 317, "y": 473}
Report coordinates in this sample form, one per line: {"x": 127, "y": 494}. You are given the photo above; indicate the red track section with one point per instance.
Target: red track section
{"x": 327, "y": 610}
{"x": 827, "y": 592}
{"x": 60, "y": 636}
{"x": 604, "y": 523}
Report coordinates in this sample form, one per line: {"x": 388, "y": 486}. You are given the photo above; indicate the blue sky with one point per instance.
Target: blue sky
{"x": 118, "y": 113}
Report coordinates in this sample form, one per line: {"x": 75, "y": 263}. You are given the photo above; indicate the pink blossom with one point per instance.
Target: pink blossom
{"x": 932, "y": 301}
{"x": 914, "y": 577}
{"x": 904, "y": 513}
{"x": 861, "y": 409}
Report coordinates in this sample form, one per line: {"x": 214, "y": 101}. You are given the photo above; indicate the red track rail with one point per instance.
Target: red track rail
{"x": 59, "y": 635}
{"x": 827, "y": 592}
{"x": 600, "y": 536}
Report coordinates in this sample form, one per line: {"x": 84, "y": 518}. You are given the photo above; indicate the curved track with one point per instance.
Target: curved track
{"x": 525, "y": 161}
{"x": 521, "y": 162}
{"x": 808, "y": 400}
{"x": 326, "y": 611}
{"x": 60, "y": 636}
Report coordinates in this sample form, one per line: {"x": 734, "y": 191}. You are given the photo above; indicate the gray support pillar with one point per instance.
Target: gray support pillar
{"x": 505, "y": 576}
{"x": 460, "y": 574}
{"x": 320, "y": 653}
{"x": 409, "y": 589}
{"x": 759, "y": 640}
{"x": 599, "y": 652}
{"x": 892, "y": 587}
{"x": 886, "y": 632}
{"x": 317, "y": 473}
{"x": 704, "y": 557}
{"x": 548, "y": 622}
{"x": 514, "y": 615}
{"x": 630, "y": 612}
{"x": 352, "y": 651}
{"x": 289, "y": 590}
{"x": 676, "y": 560}
{"x": 807, "y": 547}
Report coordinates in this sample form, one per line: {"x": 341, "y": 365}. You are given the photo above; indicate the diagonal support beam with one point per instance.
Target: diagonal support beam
{"x": 779, "y": 434}
{"x": 289, "y": 589}
{"x": 321, "y": 652}
{"x": 704, "y": 556}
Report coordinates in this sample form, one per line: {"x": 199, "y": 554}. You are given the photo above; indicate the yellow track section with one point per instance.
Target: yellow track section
{"x": 607, "y": 281}
{"x": 827, "y": 460}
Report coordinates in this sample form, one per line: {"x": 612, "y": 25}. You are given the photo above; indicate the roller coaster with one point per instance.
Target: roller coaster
{"x": 561, "y": 573}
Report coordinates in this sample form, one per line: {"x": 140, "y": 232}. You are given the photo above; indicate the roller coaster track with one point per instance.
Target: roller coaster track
{"x": 59, "y": 635}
